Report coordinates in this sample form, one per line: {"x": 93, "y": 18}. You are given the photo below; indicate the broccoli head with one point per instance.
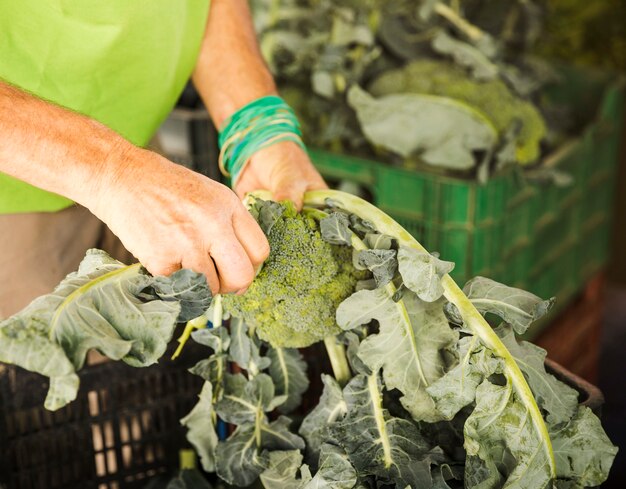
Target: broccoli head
{"x": 293, "y": 300}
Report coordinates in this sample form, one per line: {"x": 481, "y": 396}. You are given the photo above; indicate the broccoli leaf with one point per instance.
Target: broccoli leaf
{"x": 105, "y": 305}
{"x": 190, "y": 289}
{"x": 422, "y": 273}
{"x": 288, "y": 371}
{"x": 282, "y": 471}
{"x": 23, "y": 345}
{"x": 216, "y": 338}
{"x": 335, "y": 229}
{"x": 212, "y": 370}
{"x": 466, "y": 55}
{"x": 377, "y": 443}
{"x": 408, "y": 346}
{"x": 244, "y": 400}
{"x": 377, "y": 241}
{"x": 246, "y": 453}
{"x": 238, "y": 460}
{"x": 335, "y": 470}
{"x": 501, "y": 442}
{"x": 442, "y": 131}
{"x": 556, "y": 398}
{"x": 583, "y": 452}
{"x": 457, "y": 388}
{"x": 201, "y": 432}
{"x": 515, "y": 306}
{"x": 244, "y": 349}
{"x": 382, "y": 263}
{"x": 352, "y": 352}
{"x": 314, "y": 427}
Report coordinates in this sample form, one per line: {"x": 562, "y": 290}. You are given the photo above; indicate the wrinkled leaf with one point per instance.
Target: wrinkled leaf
{"x": 378, "y": 444}
{"x": 243, "y": 400}
{"x": 282, "y": 471}
{"x": 239, "y": 461}
{"x": 515, "y": 306}
{"x": 556, "y": 398}
{"x": 289, "y": 373}
{"x": 335, "y": 229}
{"x": 216, "y": 338}
{"x": 382, "y": 263}
{"x": 502, "y": 444}
{"x": 105, "y": 305}
{"x": 441, "y": 131}
{"x": 457, "y": 388}
{"x": 466, "y": 55}
{"x": 190, "y": 289}
{"x": 335, "y": 470}
{"x": 422, "y": 273}
{"x": 200, "y": 429}
{"x": 583, "y": 452}
{"x": 314, "y": 427}
{"x": 408, "y": 346}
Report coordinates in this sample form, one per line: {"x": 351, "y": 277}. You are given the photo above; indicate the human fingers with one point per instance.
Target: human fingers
{"x": 234, "y": 268}
{"x": 251, "y": 237}
{"x": 159, "y": 267}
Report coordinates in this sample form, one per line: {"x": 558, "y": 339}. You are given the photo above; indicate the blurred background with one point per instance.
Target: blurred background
{"x": 542, "y": 208}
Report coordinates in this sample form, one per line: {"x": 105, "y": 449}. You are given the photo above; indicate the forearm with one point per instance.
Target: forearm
{"x": 230, "y": 71}
{"x": 56, "y": 149}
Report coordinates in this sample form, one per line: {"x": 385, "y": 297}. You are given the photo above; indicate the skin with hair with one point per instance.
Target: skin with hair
{"x": 167, "y": 216}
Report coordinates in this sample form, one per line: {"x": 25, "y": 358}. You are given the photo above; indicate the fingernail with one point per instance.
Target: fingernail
{"x": 241, "y": 291}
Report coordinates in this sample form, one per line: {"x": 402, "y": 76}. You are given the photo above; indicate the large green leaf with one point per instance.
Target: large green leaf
{"x": 515, "y": 306}
{"x": 457, "y": 388}
{"x": 315, "y": 426}
{"x": 408, "y": 347}
{"x": 335, "y": 470}
{"x": 186, "y": 287}
{"x": 288, "y": 371}
{"x": 105, "y": 305}
{"x": 201, "y": 430}
{"x": 244, "y": 401}
{"x": 503, "y": 447}
{"x": 558, "y": 399}
{"x": 377, "y": 443}
{"x": 422, "y": 273}
{"x": 283, "y": 470}
{"x": 583, "y": 452}
{"x": 239, "y": 460}
{"x": 442, "y": 131}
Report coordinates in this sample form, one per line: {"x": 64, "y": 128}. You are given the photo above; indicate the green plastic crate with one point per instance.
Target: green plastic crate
{"x": 543, "y": 238}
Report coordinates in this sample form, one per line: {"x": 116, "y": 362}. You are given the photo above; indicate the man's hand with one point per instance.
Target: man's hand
{"x": 170, "y": 217}
{"x": 284, "y": 169}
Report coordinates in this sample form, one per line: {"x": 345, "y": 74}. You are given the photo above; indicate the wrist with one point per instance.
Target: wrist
{"x": 122, "y": 164}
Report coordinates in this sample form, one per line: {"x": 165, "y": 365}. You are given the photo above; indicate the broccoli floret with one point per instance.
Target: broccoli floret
{"x": 492, "y": 98}
{"x": 293, "y": 300}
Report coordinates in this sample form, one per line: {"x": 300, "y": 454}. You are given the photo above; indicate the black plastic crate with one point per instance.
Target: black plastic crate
{"x": 122, "y": 429}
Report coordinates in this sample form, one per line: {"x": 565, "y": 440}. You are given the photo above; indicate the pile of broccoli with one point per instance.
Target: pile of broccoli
{"x": 293, "y": 300}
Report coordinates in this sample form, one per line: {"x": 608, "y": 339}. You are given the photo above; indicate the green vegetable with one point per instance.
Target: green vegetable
{"x": 492, "y": 98}
{"x": 292, "y": 301}
{"x": 121, "y": 311}
{"x": 440, "y": 131}
{"x": 426, "y": 395}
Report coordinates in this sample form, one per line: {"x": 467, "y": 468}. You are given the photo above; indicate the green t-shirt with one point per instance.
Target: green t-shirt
{"x": 121, "y": 62}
